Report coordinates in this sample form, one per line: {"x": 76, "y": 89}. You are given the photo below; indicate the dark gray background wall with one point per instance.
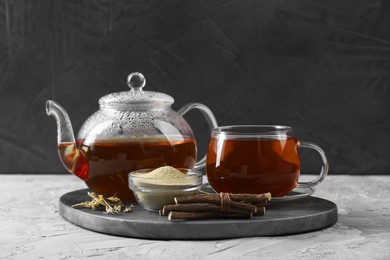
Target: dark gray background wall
{"x": 322, "y": 67}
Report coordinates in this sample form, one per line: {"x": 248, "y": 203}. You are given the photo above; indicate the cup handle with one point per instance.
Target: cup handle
{"x": 210, "y": 118}
{"x": 324, "y": 169}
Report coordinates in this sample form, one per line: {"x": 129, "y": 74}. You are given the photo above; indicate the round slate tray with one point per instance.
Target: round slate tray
{"x": 297, "y": 216}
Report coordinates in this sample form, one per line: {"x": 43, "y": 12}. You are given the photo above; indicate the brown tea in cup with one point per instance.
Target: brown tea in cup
{"x": 256, "y": 159}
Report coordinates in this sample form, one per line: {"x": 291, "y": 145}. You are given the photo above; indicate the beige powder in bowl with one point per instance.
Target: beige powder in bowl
{"x": 156, "y": 188}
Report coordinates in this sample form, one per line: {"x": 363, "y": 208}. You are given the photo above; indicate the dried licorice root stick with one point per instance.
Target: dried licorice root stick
{"x": 239, "y": 197}
{"x": 200, "y": 207}
{"x": 214, "y": 199}
{"x": 255, "y": 199}
{"x": 204, "y": 215}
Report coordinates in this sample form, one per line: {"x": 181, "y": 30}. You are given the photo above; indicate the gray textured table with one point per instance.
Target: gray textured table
{"x": 31, "y": 227}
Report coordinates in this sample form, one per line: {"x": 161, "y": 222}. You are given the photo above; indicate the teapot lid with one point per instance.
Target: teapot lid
{"x": 135, "y": 96}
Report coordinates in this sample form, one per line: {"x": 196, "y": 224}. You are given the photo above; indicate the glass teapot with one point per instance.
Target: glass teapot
{"x": 132, "y": 130}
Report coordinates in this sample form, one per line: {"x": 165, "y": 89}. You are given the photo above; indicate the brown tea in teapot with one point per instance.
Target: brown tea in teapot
{"x": 105, "y": 165}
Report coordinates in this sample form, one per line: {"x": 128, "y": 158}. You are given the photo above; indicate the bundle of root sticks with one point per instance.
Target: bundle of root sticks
{"x": 223, "y": 205}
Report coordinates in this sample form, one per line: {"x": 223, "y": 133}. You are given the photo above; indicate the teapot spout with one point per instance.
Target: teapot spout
{"x": 64, "y": 126}
{"x": 71, "y": 157}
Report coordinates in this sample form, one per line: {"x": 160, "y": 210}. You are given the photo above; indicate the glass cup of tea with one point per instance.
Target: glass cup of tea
{"x": 257, "y": 159}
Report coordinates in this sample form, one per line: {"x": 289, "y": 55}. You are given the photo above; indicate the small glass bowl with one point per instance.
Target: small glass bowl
{"x": 153, "y": 193}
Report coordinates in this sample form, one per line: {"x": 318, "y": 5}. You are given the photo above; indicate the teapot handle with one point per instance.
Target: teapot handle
{"x": 210, "y": 118}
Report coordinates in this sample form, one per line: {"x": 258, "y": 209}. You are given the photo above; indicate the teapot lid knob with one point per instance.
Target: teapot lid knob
{"x": 136, "y": 96}
{"x": 136, "y": 81}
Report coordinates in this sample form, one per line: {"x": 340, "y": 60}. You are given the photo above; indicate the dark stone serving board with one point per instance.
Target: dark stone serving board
{"x": 290, "y": 217}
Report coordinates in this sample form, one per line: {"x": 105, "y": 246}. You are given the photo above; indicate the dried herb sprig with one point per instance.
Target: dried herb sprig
{"x": 112, "y": 205}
